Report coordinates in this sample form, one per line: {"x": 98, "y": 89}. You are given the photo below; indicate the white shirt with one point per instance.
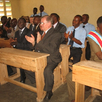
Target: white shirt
{"x": 54, "y": 25}
{"x": 43, "y": 14}
{"x": 80, "y": 34}
{"x": 88, "y": 27}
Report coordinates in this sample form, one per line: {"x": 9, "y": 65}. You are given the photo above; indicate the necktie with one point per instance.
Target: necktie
{"x": 20, "y": 32}
{"x": 71, "y": 41}
{"x": 83, "y": 26}
{"x": 43, "y": 36}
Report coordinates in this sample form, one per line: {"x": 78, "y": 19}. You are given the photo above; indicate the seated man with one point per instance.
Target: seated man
{"x": 35, "y": 26}
{"x": 59, "y": 27}
{"x": 11, "y": 31}
{"x": 48, "y": 43}
{"x": 21, "y": 43}
{"x": 88, "y": 27}
{"x": 76, "y": 38}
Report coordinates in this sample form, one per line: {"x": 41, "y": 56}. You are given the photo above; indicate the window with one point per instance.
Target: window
{"x": 5, "y": 9}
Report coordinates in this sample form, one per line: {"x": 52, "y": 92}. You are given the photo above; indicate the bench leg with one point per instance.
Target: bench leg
{"x": 79, "y": 92}
{"x": 3, "y": 73}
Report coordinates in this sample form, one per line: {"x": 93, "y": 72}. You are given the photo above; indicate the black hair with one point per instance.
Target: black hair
{"x": 79, "y": 17}
{"x": 86, "y": 15}
{"x": 35, "y": 8}
{"x": 56, "y": 15}
{"x": 22, "y": 19}
{"x": 99, "y": 21}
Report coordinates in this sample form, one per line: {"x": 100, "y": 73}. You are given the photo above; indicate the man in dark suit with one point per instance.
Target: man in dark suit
{"x": 35, "y": 26}
{"x": 50, "y": 44}
{"x": 21, "y": 42}
{"x": 59, "y": 27}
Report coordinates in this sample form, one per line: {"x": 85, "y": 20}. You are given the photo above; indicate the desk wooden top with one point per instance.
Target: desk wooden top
{"x": 23, "y": 53}
{"x": 88, "y": 73}
{"x": 89, "y": 64}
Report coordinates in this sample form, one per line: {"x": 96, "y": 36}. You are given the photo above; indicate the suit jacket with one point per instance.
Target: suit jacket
{"x": 50, "y": 44}
{"x": 62, "y": 29}
{"x": 22, "y": 43}
{"x": 35, "y": 30}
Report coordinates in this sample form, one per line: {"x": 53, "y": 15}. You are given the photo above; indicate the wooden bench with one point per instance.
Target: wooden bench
{"x": 86, "y": 73}
{"x": 35, "y": 62}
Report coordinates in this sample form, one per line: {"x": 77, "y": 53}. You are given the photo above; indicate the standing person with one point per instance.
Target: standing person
{"x": 21, "y": 42}
{"x": 58, "y": 26}
{"x": 76, "y": 38}
{"x": 88, "y": 27}
{"x": 35, "y": 10}
{"x": 50, "y": 44}
{"x": 42, "y": 13}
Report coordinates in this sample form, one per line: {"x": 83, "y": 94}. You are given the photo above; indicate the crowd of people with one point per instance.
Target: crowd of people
{"x": 44, "y": 33}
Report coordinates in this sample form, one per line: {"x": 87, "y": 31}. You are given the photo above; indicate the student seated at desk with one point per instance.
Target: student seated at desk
{"x": 49, "y": 43}
{"x": 21, "y": 42}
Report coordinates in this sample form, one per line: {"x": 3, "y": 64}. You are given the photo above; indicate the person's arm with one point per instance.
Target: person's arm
{"x": 95, "y": 48}
{"x": 74, "y": 39}
{"x": 52, "y": 45}
{"x": 99, "y": 55}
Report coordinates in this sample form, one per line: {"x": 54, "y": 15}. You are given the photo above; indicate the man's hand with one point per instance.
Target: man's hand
{"x": 30, "y": 39}
{"x": 66, "y": 35}
{"x": 71, "y": 35}
{"x": 13, "y": 41}
{"x": 38, "y": 37}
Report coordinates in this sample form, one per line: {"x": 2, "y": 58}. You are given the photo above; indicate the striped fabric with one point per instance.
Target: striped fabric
{"x": 96, "y": 37}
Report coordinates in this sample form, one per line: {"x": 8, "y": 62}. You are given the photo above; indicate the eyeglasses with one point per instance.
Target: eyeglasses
{"x": 43, "y": 23}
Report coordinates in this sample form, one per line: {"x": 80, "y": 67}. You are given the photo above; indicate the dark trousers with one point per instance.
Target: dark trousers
{"x": 23, "y": 76}
{"x": 88, "y": 52}
{"x": 9, "y": 70}
{"x": 76, "y": 54}
{"x": 31, "y": 76}
{"x": 48, "y": 76}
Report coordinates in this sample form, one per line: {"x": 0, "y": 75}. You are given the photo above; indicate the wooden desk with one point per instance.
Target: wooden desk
{"x": 4, "y": 43}
{"x": 30, "y": 61}
{"x": 86, "y": 73}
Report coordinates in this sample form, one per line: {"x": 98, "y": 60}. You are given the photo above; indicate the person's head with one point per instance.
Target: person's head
{"x": 77, "y": 21}
{"x": 99, "y": 24}
{"x": 35, "y": 10}
{"x": 21, "y": 23}
{"x": 46, "y": 23}
{"x": 55, "y": 17}
{"x": 41, "y": 8}
{"x": 85, "y": 18}
{"x": 9, "y": 19}
{"x": 3, "y": 19}
{"x": 31, "y": 20}
{"x": 27, "y": 19}
{"x": 13, "y": 22}
{"x": 37, "y": 20}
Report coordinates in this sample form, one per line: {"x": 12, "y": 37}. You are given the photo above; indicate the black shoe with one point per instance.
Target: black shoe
{"x": 23, "y": 80}
{"x": 48, "y": 95}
